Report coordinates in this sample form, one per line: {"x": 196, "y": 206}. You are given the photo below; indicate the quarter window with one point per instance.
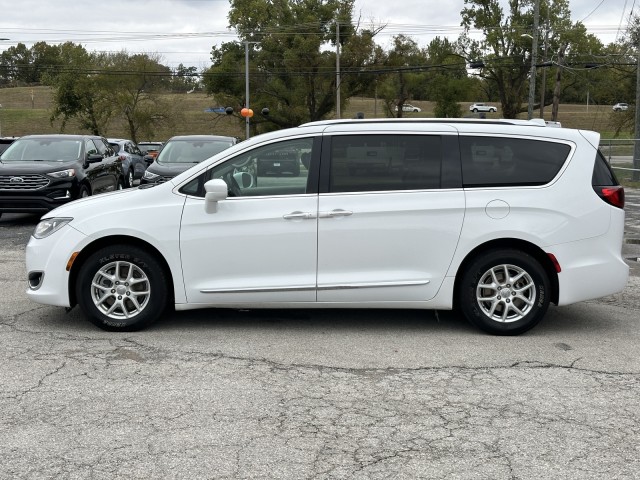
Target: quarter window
{"x": 385, "y": 162}
{"x": 503, "y": 161}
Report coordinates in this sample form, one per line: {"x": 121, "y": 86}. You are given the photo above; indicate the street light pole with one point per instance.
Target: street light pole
{"x": 636, "y": 150}
{"x": 246, "y": 85}
{"x": 337, "y": 69}
{"x": 534, "y": 54}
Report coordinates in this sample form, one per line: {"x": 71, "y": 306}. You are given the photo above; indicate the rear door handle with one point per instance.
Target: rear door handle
{"x": 298, "y": 215}
{"x": 335, "y": 213}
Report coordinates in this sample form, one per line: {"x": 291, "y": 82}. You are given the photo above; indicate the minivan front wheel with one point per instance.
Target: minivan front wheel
{"x": 504, "y": 292}
{"x": 122, "y": 288}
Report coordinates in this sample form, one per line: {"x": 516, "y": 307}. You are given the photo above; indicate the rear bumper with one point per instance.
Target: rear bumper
{"x": 593, "y": 267}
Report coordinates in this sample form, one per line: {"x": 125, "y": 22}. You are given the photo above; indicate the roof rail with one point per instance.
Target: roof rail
{"x": 545, "y": 123}
{"x": 501, "y": 121}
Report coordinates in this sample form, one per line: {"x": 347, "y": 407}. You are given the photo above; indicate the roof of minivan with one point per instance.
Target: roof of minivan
{"x": 448, "y": 121}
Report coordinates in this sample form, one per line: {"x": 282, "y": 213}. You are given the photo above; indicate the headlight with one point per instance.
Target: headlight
{"x": 63, "y": 173}
{"x": 49, "y": 225}
{"x": 149, "y": 176}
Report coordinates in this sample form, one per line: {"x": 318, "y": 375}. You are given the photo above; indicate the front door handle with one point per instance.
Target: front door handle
{"x": 335, "y": 213}
{"x": 298, "y": 215}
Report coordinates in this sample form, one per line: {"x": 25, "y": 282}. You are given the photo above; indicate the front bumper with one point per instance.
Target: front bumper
{"x": 40, "y": 200}
{"x": 48, "y": 257}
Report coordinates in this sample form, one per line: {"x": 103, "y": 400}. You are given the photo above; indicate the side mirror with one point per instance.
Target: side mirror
{"x": 148, "y": 159}
{"x": 216, "y": 190}
{"x": 94, "y": 158}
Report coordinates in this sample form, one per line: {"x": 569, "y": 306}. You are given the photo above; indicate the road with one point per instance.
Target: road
{"x": 318, "y": 394}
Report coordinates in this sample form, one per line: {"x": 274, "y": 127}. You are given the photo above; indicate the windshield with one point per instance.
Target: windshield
{"x": 42, "y": 150}
{"x": 191, "y": 151}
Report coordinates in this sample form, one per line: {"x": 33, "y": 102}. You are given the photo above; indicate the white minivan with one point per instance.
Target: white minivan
{"x": 498, "y": 218}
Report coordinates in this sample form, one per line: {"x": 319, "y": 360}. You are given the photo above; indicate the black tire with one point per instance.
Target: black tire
{"x": 126, "y": 306}
{"x": 415, "y": 110}
{"x": 120, "y": 184}
{"x": 84, "y": 192}
{"x": 475, "y": 110}
{"x": 508, "y": 308}
{"x": 129, "y": 179}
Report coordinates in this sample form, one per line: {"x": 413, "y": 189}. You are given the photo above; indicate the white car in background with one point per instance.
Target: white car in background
{"x": 407, "y": 107}
{"x": 482, "y": 107}
{"x": 620, "y": 107}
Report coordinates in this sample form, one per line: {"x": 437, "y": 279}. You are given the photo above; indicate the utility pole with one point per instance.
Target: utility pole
{"x": 636, "y": 149}
{"x": 246, "y": 86}
{"x": 337, "y": 69}
{"x": 534, "y": 54}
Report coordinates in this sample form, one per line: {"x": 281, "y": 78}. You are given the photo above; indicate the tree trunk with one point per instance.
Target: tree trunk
{"x": 556, "y": 90}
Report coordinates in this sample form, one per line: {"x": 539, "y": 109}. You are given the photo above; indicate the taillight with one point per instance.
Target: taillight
{"x": 613, "y": 195}
{"x": 122, "y": 158}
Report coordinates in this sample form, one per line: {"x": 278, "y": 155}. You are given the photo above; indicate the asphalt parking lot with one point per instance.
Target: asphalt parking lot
{"x": 318, "y": 394}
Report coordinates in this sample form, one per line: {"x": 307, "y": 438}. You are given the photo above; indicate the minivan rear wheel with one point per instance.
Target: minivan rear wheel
{"x": 122, "y": 288}
{"x": 504, "y": 292}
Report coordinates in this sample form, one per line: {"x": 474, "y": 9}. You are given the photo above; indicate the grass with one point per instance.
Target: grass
{"x": 625, "y": 177}
{"x": 27, "y": 110}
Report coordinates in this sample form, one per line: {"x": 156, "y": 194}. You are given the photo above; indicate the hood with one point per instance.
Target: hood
{"x": 169, "y": 169}
{"x": 23, "y": 168}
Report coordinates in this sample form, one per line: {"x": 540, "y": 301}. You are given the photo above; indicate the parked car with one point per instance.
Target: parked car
{"x": 279, "y": 163}
{"x": 407, "y": 107}
{"x": 5, "y": 142}
{"x": 464, "y": 214}
{"x": 150, "y": 148}
{"x": 131, "y": 157}
{"x": 41, "y": 172}
{"x": 620, "y": 107}
{"x": 183, "y": 152}
{"x": 482, "y": 107}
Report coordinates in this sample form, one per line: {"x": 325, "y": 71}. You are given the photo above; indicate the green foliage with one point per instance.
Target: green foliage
{"x": 506, "y": 49}
{"x": 292, "y": 71}
{"x": 96, "y": 89}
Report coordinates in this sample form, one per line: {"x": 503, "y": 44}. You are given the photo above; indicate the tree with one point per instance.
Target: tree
{"x": 185, "y": 79}
{"x": 292, "y": 70}
{"x": 132, "y": 83}
{"x": 97, "y": 89}
{"x": 76, "y": 90}
{"x": 505, "y": 50}
{"x": 447, "y": 81}
{"x": 404, "y": 62}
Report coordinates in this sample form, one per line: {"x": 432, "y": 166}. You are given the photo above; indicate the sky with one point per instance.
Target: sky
{"x": 183, "y": 31}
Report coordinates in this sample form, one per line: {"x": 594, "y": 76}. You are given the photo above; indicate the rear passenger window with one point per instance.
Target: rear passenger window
{"x": 385, "y": 162}
{"x": 502, "y": 161}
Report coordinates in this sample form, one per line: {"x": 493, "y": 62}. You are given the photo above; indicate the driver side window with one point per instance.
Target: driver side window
{"x": 280, "y": 169}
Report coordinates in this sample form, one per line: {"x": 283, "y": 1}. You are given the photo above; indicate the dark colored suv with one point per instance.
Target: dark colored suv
{"x": 40, "y": 172}
{"x": 183, "y": 152}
